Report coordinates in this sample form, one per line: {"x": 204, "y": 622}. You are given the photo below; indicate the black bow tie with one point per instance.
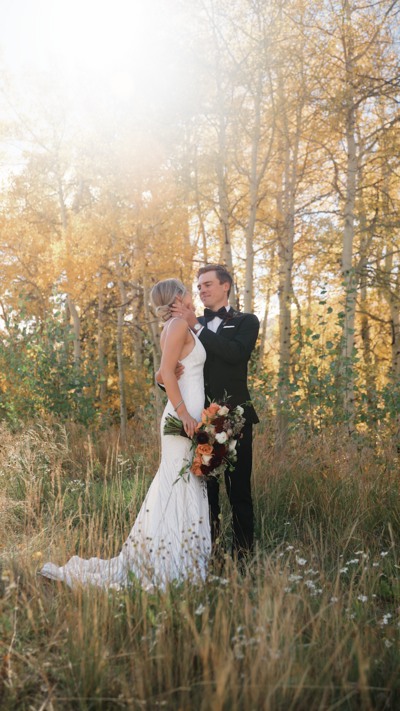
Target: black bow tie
{"x": 209, "y": 315}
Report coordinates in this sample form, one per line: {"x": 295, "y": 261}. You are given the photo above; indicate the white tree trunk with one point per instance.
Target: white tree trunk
{"x": 254, "y": 187}
{"x": 100, "y": 341}
{"x": 200, "y": 216}
{"x": 348, "y": 214}
{"x": 285, "y": 332}
{"x": 152, "y": 324}
{"x": 76, "y": 325}
{"x": 72, "y": 308}
{"x": 135, "y": 293}
{"x": 264, "y": 326}
{"x": 154, "y": 331}
{"x": 226, "y": 248}
{"x": 286, "y": 214}
{"x": 395, "y": 319}
{"x": 263, "y": 336}
{"x": 120, "y": 360}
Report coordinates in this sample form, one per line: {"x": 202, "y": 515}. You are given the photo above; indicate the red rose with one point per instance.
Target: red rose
{"x": 218, "y": 423}
{"x": 205, "y": 470}
{"x": 219, "y": 449}
{"x": 215, "y": 461}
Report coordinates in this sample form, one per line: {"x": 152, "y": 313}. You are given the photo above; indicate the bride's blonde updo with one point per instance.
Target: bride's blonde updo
{"x": 163, "y": 295}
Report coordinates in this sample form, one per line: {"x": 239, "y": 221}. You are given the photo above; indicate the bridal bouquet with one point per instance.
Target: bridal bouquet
{"x": 215, "y": 440}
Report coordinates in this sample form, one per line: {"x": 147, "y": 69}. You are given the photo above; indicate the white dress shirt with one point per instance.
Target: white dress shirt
{"x": 213, "y": 325}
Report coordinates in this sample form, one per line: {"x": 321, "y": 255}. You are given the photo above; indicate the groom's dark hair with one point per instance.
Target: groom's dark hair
{"x": 222, "y": 273}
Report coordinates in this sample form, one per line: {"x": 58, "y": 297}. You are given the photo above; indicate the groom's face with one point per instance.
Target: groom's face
{"x": 212, "y": 293}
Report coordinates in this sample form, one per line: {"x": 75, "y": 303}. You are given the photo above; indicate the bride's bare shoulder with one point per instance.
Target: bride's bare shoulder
{"x": 176, "y": 327}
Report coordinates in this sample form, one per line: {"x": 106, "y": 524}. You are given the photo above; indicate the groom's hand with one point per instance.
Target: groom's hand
{"x": 180, "y": 311}
{"x": 178, "y": 373}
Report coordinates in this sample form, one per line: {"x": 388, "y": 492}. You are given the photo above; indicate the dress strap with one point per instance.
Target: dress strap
{"x": 176, "y": 318}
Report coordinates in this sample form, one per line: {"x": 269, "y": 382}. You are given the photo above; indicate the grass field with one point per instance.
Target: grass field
{"x": 313, "y": 624}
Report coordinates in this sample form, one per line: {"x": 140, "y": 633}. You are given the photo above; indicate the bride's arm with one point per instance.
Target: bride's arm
{"x": 173, "y": 344}
{"x": 178, "y": 372}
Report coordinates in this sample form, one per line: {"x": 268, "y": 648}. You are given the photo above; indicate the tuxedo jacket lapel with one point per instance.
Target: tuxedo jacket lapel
{"x": 219, "y": 329}
{"x": 232, "y": 313}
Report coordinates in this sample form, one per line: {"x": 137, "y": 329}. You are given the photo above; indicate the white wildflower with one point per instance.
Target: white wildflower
{"x": 287, "y": 523}
{"x": 289, "y": 548}
{"x": 387, "y": 643}
{"x": 200, "y": 610}
{"x": 355, "y": 560}
{"x": 384, "y": 553}
{"x": 362, "y": 598}
{"x": 334, "y": 599}
{"x": 375, "y": 565}
{"x": 301, "y": 561}
{"x": 343, "y": 570}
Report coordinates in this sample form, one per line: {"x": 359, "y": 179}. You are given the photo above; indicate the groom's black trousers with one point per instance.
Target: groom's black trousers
{"x": 238, "y": 488}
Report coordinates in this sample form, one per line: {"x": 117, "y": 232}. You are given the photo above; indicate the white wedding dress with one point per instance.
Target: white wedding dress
{"x": 171, "y": 538}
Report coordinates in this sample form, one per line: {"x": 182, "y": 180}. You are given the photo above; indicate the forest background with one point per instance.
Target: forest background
{"x": 261, "y": 135}
{"x": 140, "y": 141}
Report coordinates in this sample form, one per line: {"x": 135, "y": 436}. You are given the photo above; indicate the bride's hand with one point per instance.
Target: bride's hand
{"x": 189, "y": 423}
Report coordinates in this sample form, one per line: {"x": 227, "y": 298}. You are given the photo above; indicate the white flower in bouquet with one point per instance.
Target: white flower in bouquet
{"x": 229, "y": 432}
{"x": 223, "y": 410}
{"x": 232, "y": 446}
{"x": 221, "y": 437}
{"x": 206, "y": 459}
{"x": 239, "y": 410}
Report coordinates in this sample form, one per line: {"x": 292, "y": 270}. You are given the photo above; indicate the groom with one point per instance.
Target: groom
{"x": 228, "y": 338}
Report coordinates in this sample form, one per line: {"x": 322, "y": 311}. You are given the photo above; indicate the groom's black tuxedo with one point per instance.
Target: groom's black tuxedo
{"x": 225, "y": 370}
{"x": 228, "y": 352}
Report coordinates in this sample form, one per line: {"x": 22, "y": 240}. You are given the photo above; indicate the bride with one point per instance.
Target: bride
{"x": 170, "y": 539}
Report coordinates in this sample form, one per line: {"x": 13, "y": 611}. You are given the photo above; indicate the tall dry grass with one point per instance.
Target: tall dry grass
{"x": 312, "y": 624}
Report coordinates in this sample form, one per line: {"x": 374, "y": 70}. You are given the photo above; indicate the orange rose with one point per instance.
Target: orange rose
{"x": 204, "y": 449}
{"x": 196, "y": 470}
{"x": 213, "y": 408}
{"x": 205, "y": 417}
{"x": 197, "y": 460}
